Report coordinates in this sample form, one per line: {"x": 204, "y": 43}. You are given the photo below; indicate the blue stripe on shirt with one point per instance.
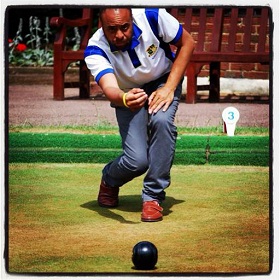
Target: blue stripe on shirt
{"x": 152, "y": 17}
{"x": 134, "y": 58}
{"x": 94, "y": 50}
{"x": 178, "y": 35}
{"x": 91, "y": 50}
{"x": 102, "y": 73}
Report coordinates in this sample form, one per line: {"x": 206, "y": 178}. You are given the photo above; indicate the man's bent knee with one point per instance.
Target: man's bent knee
{"x": 137, "y": 165}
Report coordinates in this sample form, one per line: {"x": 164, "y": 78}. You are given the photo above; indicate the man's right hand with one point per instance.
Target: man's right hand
{"x": 136, "y": 98}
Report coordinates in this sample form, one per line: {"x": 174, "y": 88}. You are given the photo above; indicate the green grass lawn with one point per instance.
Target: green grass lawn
{"x": 216, "y": 220}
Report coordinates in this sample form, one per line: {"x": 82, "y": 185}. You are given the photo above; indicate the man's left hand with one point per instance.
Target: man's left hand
{"x": 161, "y": 98}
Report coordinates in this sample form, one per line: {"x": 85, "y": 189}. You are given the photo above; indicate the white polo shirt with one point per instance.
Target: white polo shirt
{"x": 147, "y": 58}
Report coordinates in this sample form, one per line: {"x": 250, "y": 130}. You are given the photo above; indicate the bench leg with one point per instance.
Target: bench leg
{"x": 58, "y": 81}
{"x": 192, "y": 72}
{"x": 214, "y": 91}
{"x": 191, "y": 84}
{"x": 84, "y": 80}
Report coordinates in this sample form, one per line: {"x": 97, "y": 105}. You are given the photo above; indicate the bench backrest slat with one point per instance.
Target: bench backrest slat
{"x": 232, "y": 30}
{"x": 247, "y": 30}
{"x": 201, "y": 30}
{"x": 188, "y": 19}
{"x": 263, "y": 30}
{"x": 174, "y": 12}
{"x": 217, "y": 30}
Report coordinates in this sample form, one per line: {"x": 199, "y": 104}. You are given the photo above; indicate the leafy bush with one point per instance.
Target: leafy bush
{"x": 36, "y": 50}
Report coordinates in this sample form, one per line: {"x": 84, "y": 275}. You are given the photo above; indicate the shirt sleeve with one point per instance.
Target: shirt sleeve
{"x": 97, "y": 61}
{"x": 169, "y": 27}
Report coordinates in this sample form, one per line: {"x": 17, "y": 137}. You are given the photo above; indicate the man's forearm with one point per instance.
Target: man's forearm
{"x": 183, "y": 56}
{"x": 114, "y": 95}
{"x": 133, "y": 99}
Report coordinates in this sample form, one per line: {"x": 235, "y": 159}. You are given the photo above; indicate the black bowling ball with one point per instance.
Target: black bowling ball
{"x": 144, "y": 255}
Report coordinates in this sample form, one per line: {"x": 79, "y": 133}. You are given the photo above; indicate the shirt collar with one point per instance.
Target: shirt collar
{"x": 137, "y": 32}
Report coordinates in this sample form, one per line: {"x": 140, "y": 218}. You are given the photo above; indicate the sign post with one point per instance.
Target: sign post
{"x": 230, "y": 117}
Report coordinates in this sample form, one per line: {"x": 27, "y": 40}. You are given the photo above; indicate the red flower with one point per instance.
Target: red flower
{"x": 21, "y": 47}
{"x": 10, "y": 41}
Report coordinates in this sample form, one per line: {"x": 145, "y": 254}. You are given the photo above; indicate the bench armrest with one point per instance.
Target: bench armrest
{"x": 63, "y": 24}
{"x": 60, "y": 21}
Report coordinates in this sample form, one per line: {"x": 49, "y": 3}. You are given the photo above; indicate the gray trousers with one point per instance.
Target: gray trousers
{"x": 148, "y": 143}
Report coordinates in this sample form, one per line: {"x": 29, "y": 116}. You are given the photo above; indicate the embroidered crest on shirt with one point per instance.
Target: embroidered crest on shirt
{"x": 151, "y": 50}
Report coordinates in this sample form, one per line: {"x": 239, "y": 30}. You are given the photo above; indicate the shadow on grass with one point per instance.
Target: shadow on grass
{"x": 128, "y": 203}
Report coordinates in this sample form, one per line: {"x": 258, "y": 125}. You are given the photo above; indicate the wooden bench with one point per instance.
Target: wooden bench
{"x": 222, "y": 34}
{"x": 64, "y": 57}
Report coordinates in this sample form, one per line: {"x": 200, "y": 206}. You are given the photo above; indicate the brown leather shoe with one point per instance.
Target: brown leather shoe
{"x": 108, "y": 196}
{"x": 151, "y": 211}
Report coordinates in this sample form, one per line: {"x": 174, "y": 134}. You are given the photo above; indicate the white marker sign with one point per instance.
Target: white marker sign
{"x": 230, "y": 117}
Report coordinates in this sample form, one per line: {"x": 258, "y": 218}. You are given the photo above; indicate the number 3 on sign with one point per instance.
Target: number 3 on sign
{"x": 230, "y": 115}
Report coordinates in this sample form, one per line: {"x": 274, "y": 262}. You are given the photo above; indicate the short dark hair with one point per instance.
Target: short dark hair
{"x": 102, "y": 10}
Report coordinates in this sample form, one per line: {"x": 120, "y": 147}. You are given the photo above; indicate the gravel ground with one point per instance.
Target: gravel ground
{"x": 34, "y": 105}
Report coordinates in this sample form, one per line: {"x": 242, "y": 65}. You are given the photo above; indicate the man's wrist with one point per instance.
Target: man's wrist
{"x": 124, "y": 99}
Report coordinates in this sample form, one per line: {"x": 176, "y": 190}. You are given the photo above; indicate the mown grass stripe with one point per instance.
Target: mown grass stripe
{"x": 114, "y": 141}
{"x": 191, "y": 149}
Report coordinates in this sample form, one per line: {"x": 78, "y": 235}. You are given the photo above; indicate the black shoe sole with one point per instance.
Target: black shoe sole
{"x": 151, "y": 220}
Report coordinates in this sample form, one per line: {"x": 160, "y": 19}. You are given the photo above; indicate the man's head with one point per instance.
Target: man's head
{"x": 117, "y": 26}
